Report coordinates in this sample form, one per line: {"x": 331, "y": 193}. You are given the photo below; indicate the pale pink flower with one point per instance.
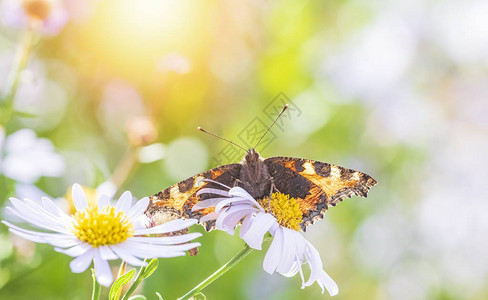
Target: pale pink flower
{"x": 47, "y": 16}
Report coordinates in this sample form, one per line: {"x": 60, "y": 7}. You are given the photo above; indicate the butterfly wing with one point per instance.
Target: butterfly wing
{"x": 316, "y": 185}
{"x": 178, "y": 200}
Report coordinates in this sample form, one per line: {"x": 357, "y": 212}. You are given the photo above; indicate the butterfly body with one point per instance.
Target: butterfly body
{"x": 315, "y": 185}
{"x": 254, "y": 176}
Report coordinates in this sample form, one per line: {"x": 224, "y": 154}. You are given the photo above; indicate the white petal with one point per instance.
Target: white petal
{"x": 107, "y": 188}
{"x": 103, "y": 200}
{"x": 288, "y": 254}
{"x": 102, "y": 269}
{"x": 50, "y": 206}
{"x": 36, "y": 216}
{"x": 317, "y": 273}
{"x": 64, "y": 242}
{"x": 246, "y": 223}
{"x": 144, "y": 250}
{"x": 50, "y": 221}
{"x": 225, "y": 227}
{"x": 216, "y": 182}
{"x": 28, "y": 236}
{"x": 261, "y": 224}
{"x": 167, "y": 240}
{"x": 174, "y": 225}
{"x": 228, "y": 220}
{"x": 315, "y": 263}
{"x": 209, "y": 217}
{"x": 82, "y": 262}
{"x": 79, "y": 198}
{"x": 138, "y": 209}
{"x": 240, "y": 192}
{"x": 56, "y": 239}
{"x": 273, "y": 255}
{"x": 106, "y": 253}
{"x": 206, "y": 203}
{"x": 213, "y": 191}
{"x": 300, "y": 247}
{"x": 296, "y": 267}
{"x": 76, "y": 250}
{"x": 126, "y": 256}
{"x": 232, "y": 210}
{"x": 232, "y": 201}
{"x": 141, "y": 222}
{"x": 302, "y": 276}
{"x": 326, "y": 281}
{"x": 124, "y": 202}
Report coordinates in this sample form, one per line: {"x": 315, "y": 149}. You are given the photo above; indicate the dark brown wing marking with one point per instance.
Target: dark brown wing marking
{"x": 316, "y": 185}
{"x": 177, "y": 200}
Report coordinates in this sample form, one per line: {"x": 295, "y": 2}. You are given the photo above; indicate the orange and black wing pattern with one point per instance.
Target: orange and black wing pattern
{"x": 178, "y": 200}
{"x": 316, "y": 185}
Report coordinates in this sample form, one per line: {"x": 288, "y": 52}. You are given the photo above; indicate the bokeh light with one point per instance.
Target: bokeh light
{"x": 130, "y": 36}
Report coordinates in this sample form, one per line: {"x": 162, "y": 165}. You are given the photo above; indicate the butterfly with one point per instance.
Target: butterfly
{"x": 315, "y": 185}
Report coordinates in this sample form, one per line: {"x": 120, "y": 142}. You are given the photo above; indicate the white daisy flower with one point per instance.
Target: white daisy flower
{"x": 100, "y": 232}
{"x": 65, "y": 203}
{"x": 26, "y": 157}
{"x": 289, "y": 250}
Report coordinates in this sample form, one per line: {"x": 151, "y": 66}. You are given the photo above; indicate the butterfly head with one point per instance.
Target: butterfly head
{"x": 252, "y": 157}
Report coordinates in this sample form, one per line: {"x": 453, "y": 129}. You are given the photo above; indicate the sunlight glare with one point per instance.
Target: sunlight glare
{"x": 131, "y": 35}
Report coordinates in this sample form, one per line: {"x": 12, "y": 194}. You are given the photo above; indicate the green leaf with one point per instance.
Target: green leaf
{"x": 159, "y": 296}
{"x": 124, "y": 279}
{"x": 151, "y": 267}
{"x": 138, "y": 297}
{"x": 199, "y": 296}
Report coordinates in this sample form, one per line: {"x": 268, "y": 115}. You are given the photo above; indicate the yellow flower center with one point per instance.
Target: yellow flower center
{"x": 38, "y": 9}
{"x": 285, "y": 209}
{"x": 99, "y": 227}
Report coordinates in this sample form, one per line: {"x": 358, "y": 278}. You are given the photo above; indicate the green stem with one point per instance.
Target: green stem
{"x": 96, "y": 287}
{"x": 124, "y": 168}
{"x": 140, "y": 277}
{"x": 23, "y": 54}
{"x": 231, "y": 263}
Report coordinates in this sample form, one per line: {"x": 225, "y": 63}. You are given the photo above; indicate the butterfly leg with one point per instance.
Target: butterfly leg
{"x": 272, "y": 189}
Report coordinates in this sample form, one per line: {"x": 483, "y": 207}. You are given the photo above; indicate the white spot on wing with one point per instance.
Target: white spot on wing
{"x": 309, "y": 169}
{"x": 174, "y": 191}
{"x": 335, "y": 172}
{"x": 199, "y": 181}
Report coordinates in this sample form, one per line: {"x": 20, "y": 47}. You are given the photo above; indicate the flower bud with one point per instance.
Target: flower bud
{"x": 38, "y": 10}
{"x": 141, "y": 131}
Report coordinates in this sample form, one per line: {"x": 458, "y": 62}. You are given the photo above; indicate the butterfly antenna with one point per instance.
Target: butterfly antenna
{"x": 284, "y": 108}
{"x": 219, "y": 137}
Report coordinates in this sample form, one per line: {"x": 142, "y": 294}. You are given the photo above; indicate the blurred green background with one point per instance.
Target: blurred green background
{"x": 395, "y": 89}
